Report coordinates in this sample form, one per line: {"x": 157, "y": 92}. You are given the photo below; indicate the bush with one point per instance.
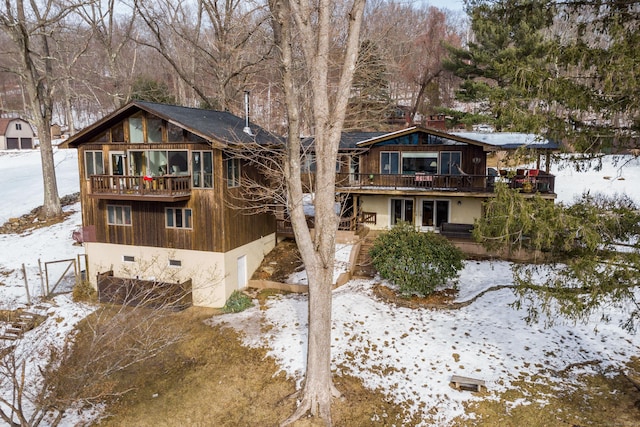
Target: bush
{"x": 416, "y": 262}
{"x": 84, "y": 292}
{"x": 237, "y": 302}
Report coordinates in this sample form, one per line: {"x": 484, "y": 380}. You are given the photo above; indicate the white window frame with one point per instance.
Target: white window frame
{"x": 121, "y": 215}
{"x": 171, "y": 218}
{"x": 94, "y": 154}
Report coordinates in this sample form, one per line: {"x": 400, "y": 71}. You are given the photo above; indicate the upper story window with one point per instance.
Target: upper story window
{"x": 136, "y": 133}
{"x": 118, "y": 215}
{"x": 419, "y": 162}
{"x": 390, "y": 162}
{"x": 178, "y": 218}
{"x": 18, "y": 126}
{"x": 308, "y": 163}
{"x": 174, "y": 133}
{"x": 117, "y": 133}
{"x": 232, "y": 166}
{"x": 450, "y": 162}
{"x": 202, "y": 169}
{"x": 154, "y": 129}
{"x": 93, "y": 163}
{"x": 158, "y": 162}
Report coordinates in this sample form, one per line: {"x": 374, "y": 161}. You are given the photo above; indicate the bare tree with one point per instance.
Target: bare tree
{"x": 30, "y": 27}
{"x": 213, "y": 45}
{"x": 412, "y": 41}
{"x": 113, "y": 33}
{"x": 312, "y": 27}
{"x": 39, "y": 385}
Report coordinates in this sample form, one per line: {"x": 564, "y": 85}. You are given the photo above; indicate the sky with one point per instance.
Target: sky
{"x": 411, "y": 354}
{"x": 446, "y": 4}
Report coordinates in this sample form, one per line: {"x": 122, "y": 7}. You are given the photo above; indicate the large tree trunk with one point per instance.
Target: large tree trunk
{"x": 312, "y": 27}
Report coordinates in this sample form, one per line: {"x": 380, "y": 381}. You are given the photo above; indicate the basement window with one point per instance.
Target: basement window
{"x": 175, "y": 263}
{"x": 128, "y": 258}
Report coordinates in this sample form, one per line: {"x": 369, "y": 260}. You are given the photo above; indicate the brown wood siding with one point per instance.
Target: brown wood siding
{"x": 217, "y": 226}
{"x": 371, "y": 159}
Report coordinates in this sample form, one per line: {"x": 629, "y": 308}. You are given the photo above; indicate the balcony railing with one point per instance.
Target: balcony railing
{"x": 170, "y": 188}
{"x": 542, "y": 182}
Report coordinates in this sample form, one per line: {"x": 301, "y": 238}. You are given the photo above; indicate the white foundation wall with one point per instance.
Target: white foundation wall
{"x": 214, "y": 275}
{"x": 469, "y": 209}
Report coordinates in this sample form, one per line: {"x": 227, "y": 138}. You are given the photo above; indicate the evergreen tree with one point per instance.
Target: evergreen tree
{"x": 590, "y": 260}
{"x": 567, "y": 70}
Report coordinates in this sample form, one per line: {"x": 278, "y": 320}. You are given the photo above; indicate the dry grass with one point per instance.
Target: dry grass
{"x": 209, "y": 379}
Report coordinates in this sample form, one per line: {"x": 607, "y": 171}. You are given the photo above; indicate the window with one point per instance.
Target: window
{"x": 178, "y": 218}
{"x": 158, "y": 162}
{"x": 117, "y": 133}
{"x": 118, "y": 215}
{"x": 390, "y": 162}
{"x": 18, "y": 126}
{"x": 175, "y": 263}
{"x": 435, "y": 212}
{"x": 232, "y": 167}
{"x": 401, "y": 210}
{"x": 202, "y": 166}
{"x": 136, "y": 136}
{"x": 128, "y": 258}
{"x": 419, "y": 162}
{"x": 174, "y": 133}
{"x": 93, "y": 163}
{"x": 450, "y": 162}
{"x": 154, "y": 129}
{"x": 308, "y": 163}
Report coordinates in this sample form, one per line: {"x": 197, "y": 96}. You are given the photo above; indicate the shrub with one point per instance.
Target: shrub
{"x": 416, "y": 262}
{"x": 237, "y": 302}
{"x": 84, "y": 292}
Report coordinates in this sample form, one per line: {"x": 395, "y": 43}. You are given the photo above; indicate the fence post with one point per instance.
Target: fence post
{"x": 41, "y": 278}
{"x": 26, "y": 284}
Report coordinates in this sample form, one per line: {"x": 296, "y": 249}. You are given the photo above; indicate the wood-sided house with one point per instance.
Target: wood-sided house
{"x": 433, "y": 179}
{"x": 158, "y": 186}
{"x": 16, "y": 134}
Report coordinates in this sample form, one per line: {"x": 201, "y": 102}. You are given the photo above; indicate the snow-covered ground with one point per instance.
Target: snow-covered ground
{"x": 411, "y": 354}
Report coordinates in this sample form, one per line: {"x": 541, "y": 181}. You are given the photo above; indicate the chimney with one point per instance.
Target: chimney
{"x": 246, "y": 129}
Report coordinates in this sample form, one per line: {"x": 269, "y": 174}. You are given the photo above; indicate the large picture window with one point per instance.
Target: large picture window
{"x": 178, "y": 218}
{"x": 118, "y": 215}
{"x": 202, "y": 165}
{"x": 158, "y": 162}
{"x": 93, "y": 163}
{"x": 415, "y": 162}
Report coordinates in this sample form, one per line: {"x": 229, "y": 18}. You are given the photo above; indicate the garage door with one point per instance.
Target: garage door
{"x": 26, "y": 143}
{"x": 12, "y": 144}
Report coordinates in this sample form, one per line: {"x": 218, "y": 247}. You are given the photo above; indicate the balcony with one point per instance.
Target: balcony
{"x": 525, "y": 181}
{"x": 166, "y": 188}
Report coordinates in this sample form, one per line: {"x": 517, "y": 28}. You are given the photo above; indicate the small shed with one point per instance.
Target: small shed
{"x": 16, "y": 134}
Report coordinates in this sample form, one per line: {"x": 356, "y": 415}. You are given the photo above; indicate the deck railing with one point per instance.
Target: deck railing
{"x": 166, "y": 185}
{"x": 468, "y": 183}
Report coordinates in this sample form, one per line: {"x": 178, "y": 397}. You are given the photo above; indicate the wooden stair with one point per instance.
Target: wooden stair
{"x": 25, "y": 322}
{"x": 364, "y": 266}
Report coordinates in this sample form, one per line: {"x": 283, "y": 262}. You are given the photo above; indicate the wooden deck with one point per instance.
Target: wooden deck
{"x": 166, "y": 188}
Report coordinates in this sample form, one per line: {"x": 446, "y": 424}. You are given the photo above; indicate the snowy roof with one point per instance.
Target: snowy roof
{"x": 510, "y": 140}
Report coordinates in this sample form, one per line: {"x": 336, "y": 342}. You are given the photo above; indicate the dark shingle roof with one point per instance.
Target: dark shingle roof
{"x": 219, "y": 126}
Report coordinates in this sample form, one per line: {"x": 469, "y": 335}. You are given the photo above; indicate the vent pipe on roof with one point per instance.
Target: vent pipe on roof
{"x": 246, "y": 129}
